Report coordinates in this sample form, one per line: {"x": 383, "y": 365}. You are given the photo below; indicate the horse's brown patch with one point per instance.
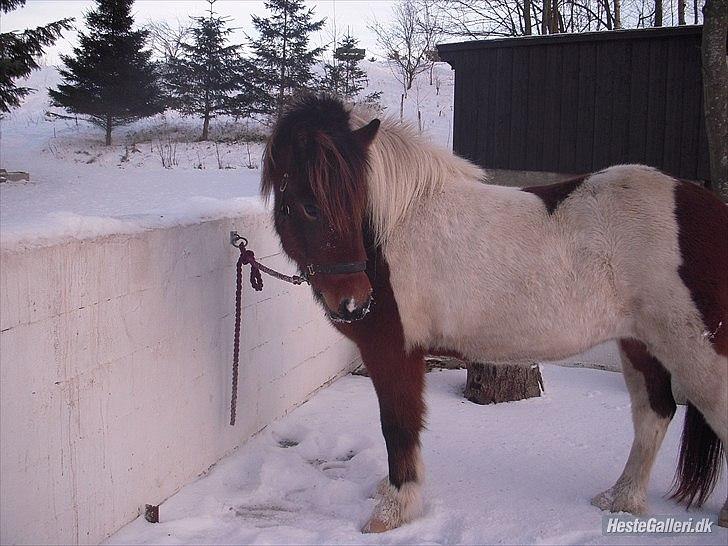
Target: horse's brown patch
{"x": 313, "y": 157}
{"x": 657, "y": 378}
{"x": 702, "y": 221}
{"x": 398, "y": 376}
{"x": 553, "y": 194}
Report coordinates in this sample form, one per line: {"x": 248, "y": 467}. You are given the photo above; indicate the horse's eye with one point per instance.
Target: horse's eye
{"x": 311, "y": 211}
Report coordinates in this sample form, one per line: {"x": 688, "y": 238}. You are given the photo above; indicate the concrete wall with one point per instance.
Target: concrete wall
{"x": 115, "y": 359}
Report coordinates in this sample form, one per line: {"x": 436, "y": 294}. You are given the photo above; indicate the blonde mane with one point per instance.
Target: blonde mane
{"x": 405, "y": 167}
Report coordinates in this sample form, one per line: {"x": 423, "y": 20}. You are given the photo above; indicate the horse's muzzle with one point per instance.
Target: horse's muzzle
{"x": 349, "y": 311}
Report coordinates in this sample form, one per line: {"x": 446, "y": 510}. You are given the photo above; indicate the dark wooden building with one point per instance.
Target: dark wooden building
{"x": 575, "y": 103}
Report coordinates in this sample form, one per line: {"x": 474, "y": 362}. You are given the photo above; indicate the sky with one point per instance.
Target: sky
{"x": 352, "y": 14}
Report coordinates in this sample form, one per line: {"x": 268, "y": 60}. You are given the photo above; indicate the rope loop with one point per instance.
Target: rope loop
{"x": 247, "y": 257}
{"x": 256, "y": 279}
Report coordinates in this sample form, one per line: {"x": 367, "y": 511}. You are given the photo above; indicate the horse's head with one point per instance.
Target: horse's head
{"x": 315, "y": 166}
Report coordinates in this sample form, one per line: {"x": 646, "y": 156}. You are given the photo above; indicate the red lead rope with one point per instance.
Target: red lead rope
{"x": 256, "y": 281}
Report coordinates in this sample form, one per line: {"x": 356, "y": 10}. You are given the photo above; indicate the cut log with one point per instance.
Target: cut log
{"x": 491, "y": 383}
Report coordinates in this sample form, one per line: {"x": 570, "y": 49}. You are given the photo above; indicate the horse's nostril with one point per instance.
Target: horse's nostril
{"x": 348, "y": 306}
{"x": 350, "y": 311}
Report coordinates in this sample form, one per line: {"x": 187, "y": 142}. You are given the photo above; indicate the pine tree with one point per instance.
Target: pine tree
{"x": 343, "y": 76}
{"x": 19, "y": 52}
{"x": 109, "y": 77}
{"x": 281, "y": 54}
{"x": 210, "y": 76}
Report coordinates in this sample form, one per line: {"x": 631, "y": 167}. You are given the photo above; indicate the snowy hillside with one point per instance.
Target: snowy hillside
{"x": 155, "y": 173}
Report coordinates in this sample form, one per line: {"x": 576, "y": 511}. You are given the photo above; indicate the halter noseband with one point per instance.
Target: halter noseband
{"x": 341, "y": 268}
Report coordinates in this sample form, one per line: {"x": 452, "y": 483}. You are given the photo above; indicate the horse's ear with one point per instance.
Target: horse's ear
{"x": 365, "y": 135}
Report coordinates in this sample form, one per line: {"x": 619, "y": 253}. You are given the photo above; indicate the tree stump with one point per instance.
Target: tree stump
{"x": 491, "y": 383}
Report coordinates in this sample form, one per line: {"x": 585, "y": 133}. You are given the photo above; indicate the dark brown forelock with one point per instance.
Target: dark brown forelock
{"x": 326, "y": 156}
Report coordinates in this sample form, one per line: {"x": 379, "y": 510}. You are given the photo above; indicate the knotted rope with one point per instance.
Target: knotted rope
{"x": 247, "y": 257}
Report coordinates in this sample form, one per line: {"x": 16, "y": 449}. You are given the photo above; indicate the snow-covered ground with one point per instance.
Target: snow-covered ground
{"x": 515, "y": 473}
{"x": 80, "y": 188}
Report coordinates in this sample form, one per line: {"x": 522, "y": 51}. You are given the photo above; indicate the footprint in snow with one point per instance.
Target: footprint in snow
{"x": 263, "y": 516}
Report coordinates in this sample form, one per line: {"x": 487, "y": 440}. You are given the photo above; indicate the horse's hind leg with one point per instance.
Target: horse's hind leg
{"x": 653, "y": 407}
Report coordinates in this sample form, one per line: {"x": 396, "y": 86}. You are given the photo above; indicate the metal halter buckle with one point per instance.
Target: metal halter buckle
{"x": 284, "y": 184}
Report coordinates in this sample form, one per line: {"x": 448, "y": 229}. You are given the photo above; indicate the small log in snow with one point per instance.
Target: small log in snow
{"x": 490, "y": 383}
{"x": 13, "y": 176}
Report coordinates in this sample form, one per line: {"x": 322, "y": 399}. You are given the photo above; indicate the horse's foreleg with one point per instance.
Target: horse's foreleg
{"x": 653, "y": 406}
{"x": 399, "y": 380}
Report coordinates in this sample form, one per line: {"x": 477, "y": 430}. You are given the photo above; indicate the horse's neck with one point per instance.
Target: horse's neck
{"x": 405, "y": 170}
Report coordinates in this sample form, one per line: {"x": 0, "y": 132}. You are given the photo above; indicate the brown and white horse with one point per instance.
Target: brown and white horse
{"x": 410, "y": 253}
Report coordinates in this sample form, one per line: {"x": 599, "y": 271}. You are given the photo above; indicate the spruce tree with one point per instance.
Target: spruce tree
{"x": 210, "y": 77}
{"x": 19, "y": 52}
{"x": 343, "y": 76}
{"x": 281, "y": 54}
{"x": 110, "y": 77}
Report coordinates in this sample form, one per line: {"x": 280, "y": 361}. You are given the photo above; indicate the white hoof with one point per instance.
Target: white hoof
{"x": 394, "y": 506}
{"x": 613, "y": 500}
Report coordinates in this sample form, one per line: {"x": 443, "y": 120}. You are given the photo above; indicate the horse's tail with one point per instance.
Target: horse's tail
{"x": 700, "y": 461}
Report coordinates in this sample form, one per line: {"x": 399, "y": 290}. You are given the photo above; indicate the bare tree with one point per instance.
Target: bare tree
{"x": 527, "y": 18}
{"x": 482, "y": 18}
{"x": 658, "y": 13}
{"x": 680, "y": 12}
{"x": 488, "y": 18}
{"x": 715, "y": 91}
{"x": 617, "y": 14}
{"x": 165, "y": 39}
{"x": 429, "y": 25}
{"x": 409, "y": 39}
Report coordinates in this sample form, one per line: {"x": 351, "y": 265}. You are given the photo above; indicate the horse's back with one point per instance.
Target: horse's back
{"x": 664, "y": 239}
